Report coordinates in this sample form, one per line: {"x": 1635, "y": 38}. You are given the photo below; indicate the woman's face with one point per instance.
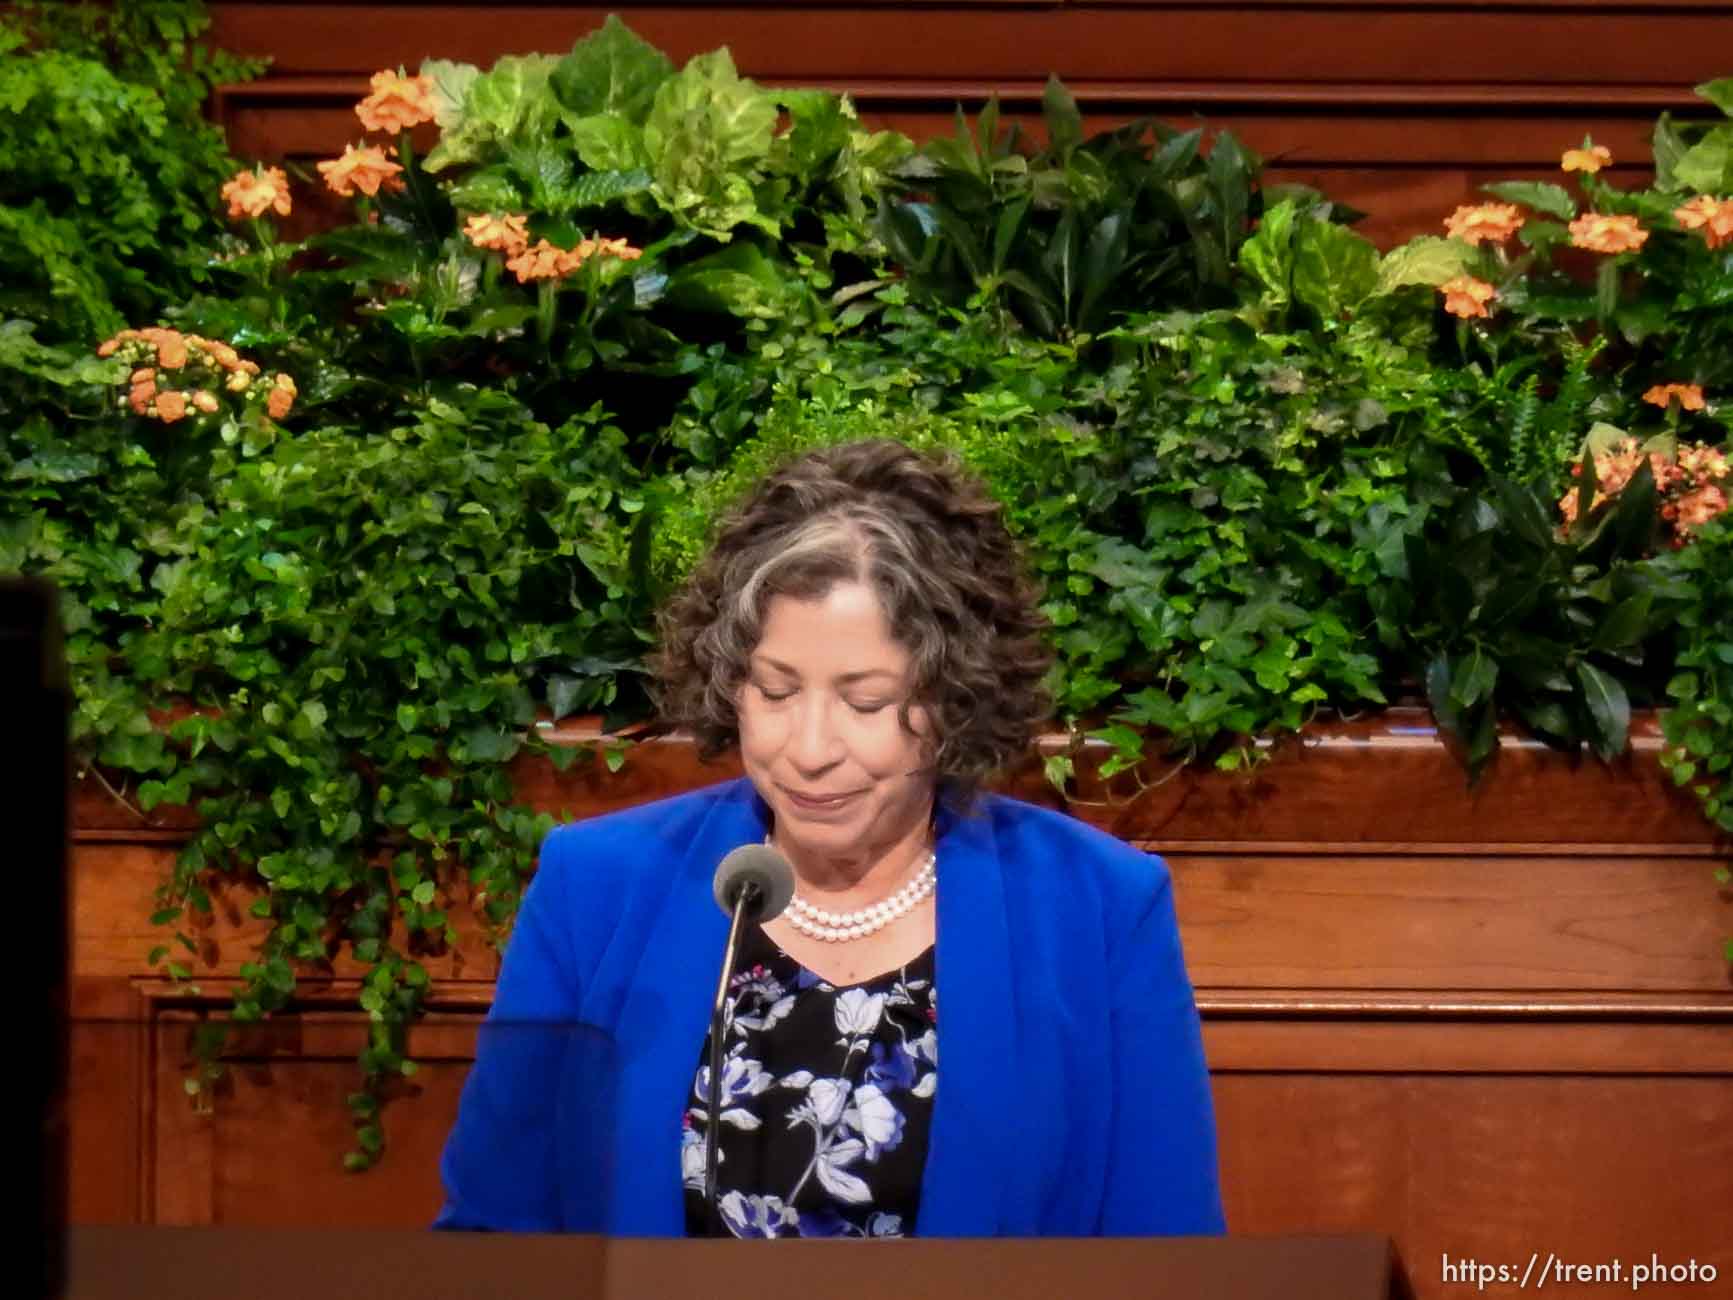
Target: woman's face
{"x": 818, "y": 716}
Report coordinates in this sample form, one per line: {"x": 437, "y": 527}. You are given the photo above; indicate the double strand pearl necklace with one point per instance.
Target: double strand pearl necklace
{"x": 840, "y": 927}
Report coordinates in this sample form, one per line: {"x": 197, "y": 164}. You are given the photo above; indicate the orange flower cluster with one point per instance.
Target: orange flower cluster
{"x": 1467, "y": 297}
{"x": 543, "y": 261}
{"x": 1475, "y": 223}
{"x": 547, "y": 261}
{"x": 1690, "y": 396}
{"x": 1590, "y": 159}
{"x": 608, "y": 248}
{"x": 202, "y": 366}
{"x": 1690, "y": 485}
{"x": 282, "y": 396}
{"x": 506, "y": 234}
{"x": 254, "y": 192}
{"x": 1714, "y": 217}
{"x": 397, "y": 102}
{"x": 1601, "y": 233}
{"x": 364, "y": 168}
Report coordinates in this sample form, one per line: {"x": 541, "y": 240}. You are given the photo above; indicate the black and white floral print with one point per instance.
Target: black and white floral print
{"x": 826, "y": 1102}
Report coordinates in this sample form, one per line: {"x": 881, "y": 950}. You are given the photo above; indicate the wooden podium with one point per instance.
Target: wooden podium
{"x": 112, "y": 1263}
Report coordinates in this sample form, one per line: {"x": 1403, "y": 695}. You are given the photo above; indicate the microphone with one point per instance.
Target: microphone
{"x": 757, "y": 868}
{"x": 754, "y": 883}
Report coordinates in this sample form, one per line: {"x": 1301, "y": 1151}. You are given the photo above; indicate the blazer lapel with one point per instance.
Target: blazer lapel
{"x": 664, "y": 1019}
{"x": 973, "y": 1135}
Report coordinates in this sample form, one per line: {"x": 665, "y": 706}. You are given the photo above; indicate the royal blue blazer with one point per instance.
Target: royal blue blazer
{"x": 1073, "y": 1099}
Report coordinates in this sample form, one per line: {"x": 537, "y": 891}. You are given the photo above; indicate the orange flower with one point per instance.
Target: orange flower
{"x": 142, "y": 391}
{"x": 1600, "y": 233}
{"x": 1690, "y": 395}
{"x": 609, "y": 247}
{"x": 171, "y": 351}
{"x": 1697, "y": 508}
{"x": 1467, "y": 297}
{"x": 206, "y": 402}
{"x": 1482, "y": 221}
{"x": 363, "y": 169}
{"x": 1704, "y": 464}
{"x": 1589, "y": 160}
{"x": 397, "y": 102}
{"x": 283, "y": 393}
{"x": 170, "y": 406}
{"x": 1714, "y": 217}
{"x": 1688, "y": 485}
{"x": 254, "y": 193}
{"x": 545, "y": 261}
{"x": 507, "y": 234}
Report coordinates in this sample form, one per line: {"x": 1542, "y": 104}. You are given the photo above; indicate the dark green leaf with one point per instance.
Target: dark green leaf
{"x": 1609, "y": 707}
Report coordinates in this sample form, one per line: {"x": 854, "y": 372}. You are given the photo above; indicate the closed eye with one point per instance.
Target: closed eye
{"x": 877, "y": 708}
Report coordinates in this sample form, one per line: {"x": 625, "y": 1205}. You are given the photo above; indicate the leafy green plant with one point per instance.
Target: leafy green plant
{"x": 221, "y": 558}
{"x": 1068, "y": 235}
{"x": 1698, "y": 725}
{"x": 108, "y": 169}
{"x": 1563, "y": 633}
{"x": 1261, "y": 471}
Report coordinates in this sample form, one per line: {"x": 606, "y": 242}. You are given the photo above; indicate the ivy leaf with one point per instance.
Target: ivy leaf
{"x": 485, "y": 745}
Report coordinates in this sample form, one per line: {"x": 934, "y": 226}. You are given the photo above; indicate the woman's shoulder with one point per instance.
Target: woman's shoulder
{"x": 629, "y": 850}
{"x": 643, "y": 838}
{"x": 1057, "y": 851}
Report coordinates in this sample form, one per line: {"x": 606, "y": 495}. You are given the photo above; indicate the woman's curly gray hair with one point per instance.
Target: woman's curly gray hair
{"x": 922, "y": 533}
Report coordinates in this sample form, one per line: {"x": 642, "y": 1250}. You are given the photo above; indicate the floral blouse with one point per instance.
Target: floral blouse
{"x": 827, "y": 1101}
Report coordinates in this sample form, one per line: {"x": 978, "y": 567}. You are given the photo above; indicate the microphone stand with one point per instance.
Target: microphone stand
{"x": 748, "y": 898}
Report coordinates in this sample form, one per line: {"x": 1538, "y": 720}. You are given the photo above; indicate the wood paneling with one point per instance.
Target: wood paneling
{"x": 1324, "y": 44}
{"x": 1403, "y": 110}
{"x": 1489, "y": 1166}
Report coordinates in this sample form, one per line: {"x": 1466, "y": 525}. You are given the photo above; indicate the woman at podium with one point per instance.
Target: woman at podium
{"x": 974, "y": 1018}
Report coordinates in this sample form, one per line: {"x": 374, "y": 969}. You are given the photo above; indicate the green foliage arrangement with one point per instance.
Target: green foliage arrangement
{"x": 107, "y": 164}
{"x": 359, "y": 513}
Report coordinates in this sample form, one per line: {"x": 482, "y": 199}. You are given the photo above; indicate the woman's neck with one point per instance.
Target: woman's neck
{"x": 849, "y": 881}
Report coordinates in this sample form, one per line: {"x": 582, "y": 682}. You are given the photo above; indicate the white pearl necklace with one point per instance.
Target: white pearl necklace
{"x": 840, "y": 927}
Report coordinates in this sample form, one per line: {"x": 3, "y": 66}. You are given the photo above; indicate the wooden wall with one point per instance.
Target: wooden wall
{"x": 1480, "y": 1022}
{"x": 1401, "y": 109}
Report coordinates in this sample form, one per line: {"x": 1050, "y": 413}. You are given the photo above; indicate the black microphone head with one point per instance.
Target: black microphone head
{"x": 758, "y": 865}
